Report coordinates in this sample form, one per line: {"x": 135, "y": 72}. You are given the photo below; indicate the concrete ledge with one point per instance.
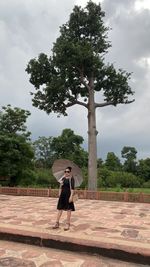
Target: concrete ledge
{"x": 103, "y": 248}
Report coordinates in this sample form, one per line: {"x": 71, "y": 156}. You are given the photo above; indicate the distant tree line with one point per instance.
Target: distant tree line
{"x": 27, "y": 163}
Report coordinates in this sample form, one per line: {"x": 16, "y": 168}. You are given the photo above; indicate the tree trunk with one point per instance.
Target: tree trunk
{"x": 92, "y": 146}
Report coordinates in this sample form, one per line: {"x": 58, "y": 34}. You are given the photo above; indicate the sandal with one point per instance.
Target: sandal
{"x": 56, "y": 225}
{"x": 67, "y": 227}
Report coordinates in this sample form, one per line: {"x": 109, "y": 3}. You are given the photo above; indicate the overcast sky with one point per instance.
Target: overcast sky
{"x": 30, "y": 27}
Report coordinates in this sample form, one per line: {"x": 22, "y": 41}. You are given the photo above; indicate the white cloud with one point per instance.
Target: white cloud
{"x": 142, "y": 4}
{"x": 84, "y": 2}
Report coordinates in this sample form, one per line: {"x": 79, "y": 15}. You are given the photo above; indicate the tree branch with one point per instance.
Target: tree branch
{"x": 84, "y": 83}
{"x": 76, "y": 102}
{"x": 82, "y": 79}
{"x": 99, "y": 105}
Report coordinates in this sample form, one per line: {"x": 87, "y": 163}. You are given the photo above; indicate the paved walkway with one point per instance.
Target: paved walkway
{"x": 115, "y": 229}
{"x": 21, "y": 255}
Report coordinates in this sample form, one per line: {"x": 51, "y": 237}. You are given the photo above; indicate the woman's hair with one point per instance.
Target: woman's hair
{"x": 69, "y": 168}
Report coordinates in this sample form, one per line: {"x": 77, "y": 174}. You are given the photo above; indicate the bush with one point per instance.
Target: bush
{"x": 27, "y": 178}
{"x": 85, "y": 178}
{"x": 103, "y": 174}
{"x": 146, "y": 184}
{"x": 100, "y": 183}
{"x": 46, "y": 179}
{"x": 117, "y": 179}
{"x": 38, "y": 178}
{"x": 124, "y": 179}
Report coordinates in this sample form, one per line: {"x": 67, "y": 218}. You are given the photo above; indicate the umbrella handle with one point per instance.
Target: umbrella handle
{"x": 61, "y": 180}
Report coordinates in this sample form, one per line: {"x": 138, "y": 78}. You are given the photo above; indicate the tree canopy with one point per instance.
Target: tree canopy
{"x": 78, "y": 54}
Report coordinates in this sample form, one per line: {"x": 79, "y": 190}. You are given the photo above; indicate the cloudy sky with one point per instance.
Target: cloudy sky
{"x": 30, "y": 27}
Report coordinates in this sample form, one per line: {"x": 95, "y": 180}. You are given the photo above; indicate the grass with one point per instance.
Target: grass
{"x": 130, "y": 190}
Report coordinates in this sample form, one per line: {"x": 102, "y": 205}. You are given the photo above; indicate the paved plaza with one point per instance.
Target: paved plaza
{"x": 119, "y": 230}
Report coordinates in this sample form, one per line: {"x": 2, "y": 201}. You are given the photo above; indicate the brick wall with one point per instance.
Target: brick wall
{"x": 83, "y": 194}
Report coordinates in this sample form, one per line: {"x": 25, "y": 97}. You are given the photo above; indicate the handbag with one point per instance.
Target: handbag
{"x": 75, "y": 196}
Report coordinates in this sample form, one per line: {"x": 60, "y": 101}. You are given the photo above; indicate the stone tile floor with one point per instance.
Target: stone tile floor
{"x": 21, "y": 255}
{"x": 120, "y": 224}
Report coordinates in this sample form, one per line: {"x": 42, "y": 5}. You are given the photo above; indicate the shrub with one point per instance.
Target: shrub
{"x": 103, "y": 174}
{"x": 146, "y": 184}
{"x": 27, "y": 178}
{"x": 46, "y": 179}
{"x": 85, "y": 178}
{"x": 117, "y": 179}
{"x": 127, "y": 179}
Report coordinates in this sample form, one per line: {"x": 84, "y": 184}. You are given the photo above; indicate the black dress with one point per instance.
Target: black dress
{"x": 63, "y": 201}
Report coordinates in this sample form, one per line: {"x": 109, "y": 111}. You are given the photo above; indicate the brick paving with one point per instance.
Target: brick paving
{"x": 116, "y": 229}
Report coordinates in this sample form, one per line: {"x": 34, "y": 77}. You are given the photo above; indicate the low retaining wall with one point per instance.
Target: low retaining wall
{"x": 83, "y": 194}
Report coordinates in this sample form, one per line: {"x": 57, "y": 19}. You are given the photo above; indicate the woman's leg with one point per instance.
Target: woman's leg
{"x": 68, "y": 216}
{"x": 59, "y": 213}
{"x": 68, "y": 220}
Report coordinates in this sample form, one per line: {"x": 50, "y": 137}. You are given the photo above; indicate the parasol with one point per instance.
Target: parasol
{"x": 59, "y": 167}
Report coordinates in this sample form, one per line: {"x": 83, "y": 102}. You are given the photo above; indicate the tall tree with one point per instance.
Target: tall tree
{"x": 112, "y": 162}
{"x": 43, "y": 151}
{"x": 76, "y": 70}
{"x": 129, "y": 154}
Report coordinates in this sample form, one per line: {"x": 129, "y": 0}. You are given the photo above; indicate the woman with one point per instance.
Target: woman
{"x": 65, "y": 201}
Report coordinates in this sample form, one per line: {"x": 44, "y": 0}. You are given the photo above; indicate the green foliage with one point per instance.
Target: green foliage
{"x": 140, "y": 190}
{"x": 27, "y": 178}
{"x": 124, "y": 179}
{"x": 42, "y": 178}
{"x": 103, "y": 174}
{"x": 112, "y": 162}
{"x": 121, "y": 189}
{"x": 16, "y": 153}
{"x": 43, "y": 152}
{"x": 130, "y": 164}
{"x": 68, "y": 145}
{"x": 84, "y": 184}
{"x": 46, "y": 179}
{"x": 107, "y": 178}
{"x": 99, "y": 163}
{"x": 146, "y": 184}
{"x": 79, "y": 156}
{"x": 143, "y": 169}
{"x": 12, "y": 120}
{"x": 129, "y": 153}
